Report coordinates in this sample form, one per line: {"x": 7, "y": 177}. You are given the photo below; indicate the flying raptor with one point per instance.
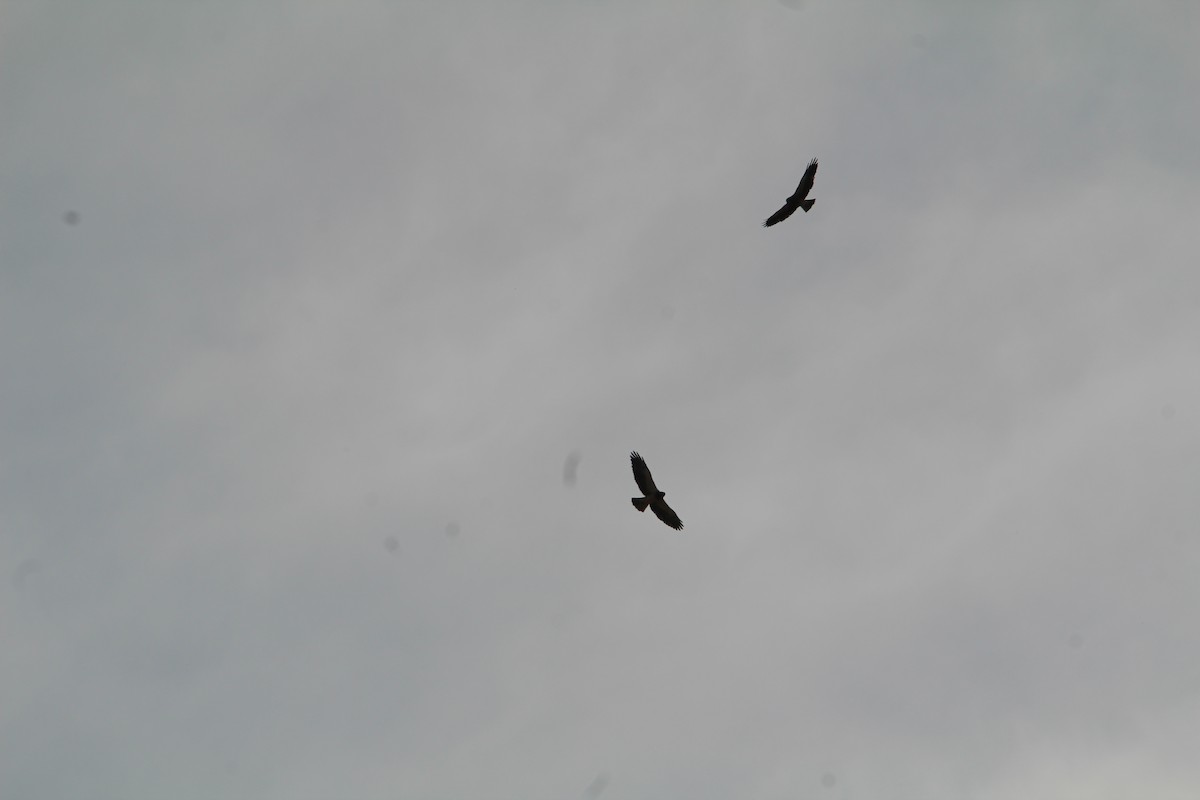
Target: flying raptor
{"x": 652, "y": 496}
{"x": 798, "y": 200}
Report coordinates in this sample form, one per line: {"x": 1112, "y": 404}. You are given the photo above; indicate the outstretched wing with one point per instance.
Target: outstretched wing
{"x": 664, "y": 512}
{"x": 779, "y": 216}
{"x": 641, "y": 474}
{"x": 806, "y": 183}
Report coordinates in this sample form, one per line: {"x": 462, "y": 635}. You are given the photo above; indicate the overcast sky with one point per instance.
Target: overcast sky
{"x": 309, "y": 313}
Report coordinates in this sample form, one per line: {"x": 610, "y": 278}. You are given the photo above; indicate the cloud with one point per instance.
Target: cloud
{"x": 344, "y": 280}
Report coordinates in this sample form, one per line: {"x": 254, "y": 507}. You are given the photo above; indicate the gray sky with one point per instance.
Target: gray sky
{"x": 307, "y": 312}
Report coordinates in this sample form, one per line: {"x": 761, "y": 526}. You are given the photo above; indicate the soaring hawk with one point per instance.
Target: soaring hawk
{"x": 797, "y": 200}
{"x": 652, "y": 496}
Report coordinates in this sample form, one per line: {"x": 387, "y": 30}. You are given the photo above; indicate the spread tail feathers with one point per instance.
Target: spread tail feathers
{"x": 807, "y": 204}
{"x": 640, "y": 503}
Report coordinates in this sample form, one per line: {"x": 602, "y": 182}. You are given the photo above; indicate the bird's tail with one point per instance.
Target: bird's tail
{"x": 807, "y": 204}
{"x": 640, "y": 503}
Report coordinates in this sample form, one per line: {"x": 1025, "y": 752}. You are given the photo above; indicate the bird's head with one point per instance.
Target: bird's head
{"x": 661, "y": 495}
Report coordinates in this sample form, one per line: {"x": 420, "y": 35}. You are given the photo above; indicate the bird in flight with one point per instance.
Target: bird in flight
{"x": 652, "y": 496}
{"x": 799, "y": 199}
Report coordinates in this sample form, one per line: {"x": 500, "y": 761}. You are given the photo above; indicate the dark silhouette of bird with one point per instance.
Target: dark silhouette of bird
{"x": 799, "y": 199}
{"x": 652, "y": 497}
